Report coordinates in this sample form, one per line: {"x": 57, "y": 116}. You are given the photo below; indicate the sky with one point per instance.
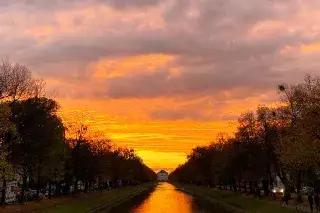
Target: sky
{"x": 163, "y": 76}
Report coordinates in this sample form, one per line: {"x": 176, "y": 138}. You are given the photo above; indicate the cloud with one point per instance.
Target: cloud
{"x": 219, "y": 33}
{"x": 207, "y": 81}
{"x": 195, "y": 114}
{"x": 121, "y": 4}
{"x": 217, "y": 107}
{"x": 218, "y": 47}
{"x": 58, "y": 4}
{"x": 216, "y": 29}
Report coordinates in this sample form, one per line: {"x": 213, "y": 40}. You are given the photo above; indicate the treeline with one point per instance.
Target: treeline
{"x": 39, "y": 149}
{"x": 275, "y": 141}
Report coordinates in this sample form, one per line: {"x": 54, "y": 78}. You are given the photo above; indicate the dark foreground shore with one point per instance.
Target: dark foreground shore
{"x": 82, "y": 203}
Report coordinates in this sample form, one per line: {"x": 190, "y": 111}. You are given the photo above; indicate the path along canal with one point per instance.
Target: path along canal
{"x": 166, "y": 198}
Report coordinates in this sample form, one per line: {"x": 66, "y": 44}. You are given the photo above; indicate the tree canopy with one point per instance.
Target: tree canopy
{"x": 43, "y": 149}
{"x": 275, "y": 141}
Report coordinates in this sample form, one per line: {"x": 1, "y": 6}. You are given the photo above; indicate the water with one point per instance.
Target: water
{"x": 166, "y": 199}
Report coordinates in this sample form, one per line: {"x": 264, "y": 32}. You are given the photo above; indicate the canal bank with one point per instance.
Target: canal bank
{"x": 136, "y": 196}
{"x": 82, "y": 203}
{"x": 234, "y": 202}
{"x": 105, "y": 201}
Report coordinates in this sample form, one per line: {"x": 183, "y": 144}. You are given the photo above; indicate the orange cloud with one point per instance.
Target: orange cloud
{"x": 94, "y": 19}
{"x": 310, "y": 48}
{"x": 267, "y": 28}
{"x": 108, "y": 68}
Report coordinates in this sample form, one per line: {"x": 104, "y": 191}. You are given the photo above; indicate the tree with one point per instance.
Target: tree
{"x": 268, "y": 132}
{"x": 6, "y": 126}
{"x": 282, "y": 141}
{"x": 41, "y": 134}
{"x": 33, "y": 139}
{"x": 299, "y": 142}
{"x": 6, "y": 172}
{"x": 16, "y": 82}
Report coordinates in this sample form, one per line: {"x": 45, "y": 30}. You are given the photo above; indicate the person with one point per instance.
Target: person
{"x": 286, "y": 197}
{"x": 101, "y": 187}
{"x": 310, "y": 199}
{"x": 316, "y": 201}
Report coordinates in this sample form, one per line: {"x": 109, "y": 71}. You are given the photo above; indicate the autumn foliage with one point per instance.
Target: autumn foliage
{"x": 281, "y": 141}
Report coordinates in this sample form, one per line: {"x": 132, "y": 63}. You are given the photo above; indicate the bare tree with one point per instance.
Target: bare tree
{"x": 17, "y": 82}
{"x": 39, "y": 86}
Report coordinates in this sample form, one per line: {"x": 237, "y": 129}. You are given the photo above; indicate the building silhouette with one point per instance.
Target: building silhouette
{"x": 162, "y": 176}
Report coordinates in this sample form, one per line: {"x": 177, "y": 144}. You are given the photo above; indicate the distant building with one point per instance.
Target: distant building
{"x": 162, "y": 176}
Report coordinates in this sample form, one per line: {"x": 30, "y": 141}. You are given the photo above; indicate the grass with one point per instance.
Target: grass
{"x": 80, "y": 204}
{"x": 238, "y": 200}
{"x": 84, "y": 205}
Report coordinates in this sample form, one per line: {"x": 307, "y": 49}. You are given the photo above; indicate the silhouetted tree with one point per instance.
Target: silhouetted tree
{"x": 41, "y": 134}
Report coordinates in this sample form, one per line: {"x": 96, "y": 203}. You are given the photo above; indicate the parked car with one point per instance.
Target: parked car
{"x": 31, "y": 195}
{"x": 11, "y": 192}
{"x": 277, "y": 190}
{"x": 45, "y": 190}
{"x": 307, "y": 190}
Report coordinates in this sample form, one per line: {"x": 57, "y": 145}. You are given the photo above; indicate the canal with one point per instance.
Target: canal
{"x": 166, "y": 199}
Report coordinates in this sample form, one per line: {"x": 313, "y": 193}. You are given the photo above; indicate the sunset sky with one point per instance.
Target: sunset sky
{"x": 163, "y": 76}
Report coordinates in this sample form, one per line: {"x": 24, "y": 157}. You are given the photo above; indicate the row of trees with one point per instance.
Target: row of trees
{"x": 36, "y": 145}
{"x": 283, "y": 141}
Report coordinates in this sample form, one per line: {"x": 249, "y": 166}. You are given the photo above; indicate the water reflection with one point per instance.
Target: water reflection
{"x": 165, "y": 199}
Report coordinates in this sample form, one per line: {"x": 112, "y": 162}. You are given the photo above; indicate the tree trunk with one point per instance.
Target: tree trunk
{"x": 265, "y": 183}
{"x": 100, "y": 185}
{"x": 58, "y": 188}
{"x": 239, "y": 184}
{"x": 86, "y": 187}
{"x": 68, "y": 185}
{"x": 38, "y": 183}
{"x": 282, "y": 177}
{"x": 4, "y": 187}
{"x": 24, "y": 184}
{"x": 75, "y": 187}
{"x": 234, "y": 184}
{"x": 91, "y": 185}
{"x": 245, "y": 186}
{"x": 298, "y": 186}
{"x": 49, "y": 192}
{"x": 251, "y": 187}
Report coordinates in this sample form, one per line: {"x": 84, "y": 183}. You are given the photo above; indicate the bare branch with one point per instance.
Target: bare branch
{"x": 16, "y": 82}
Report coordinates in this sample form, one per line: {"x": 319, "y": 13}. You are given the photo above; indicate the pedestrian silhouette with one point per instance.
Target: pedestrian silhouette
{"x": 286, "y": 197}
{"x": 316, "y": 201}
{"x": 310, "y": 199}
